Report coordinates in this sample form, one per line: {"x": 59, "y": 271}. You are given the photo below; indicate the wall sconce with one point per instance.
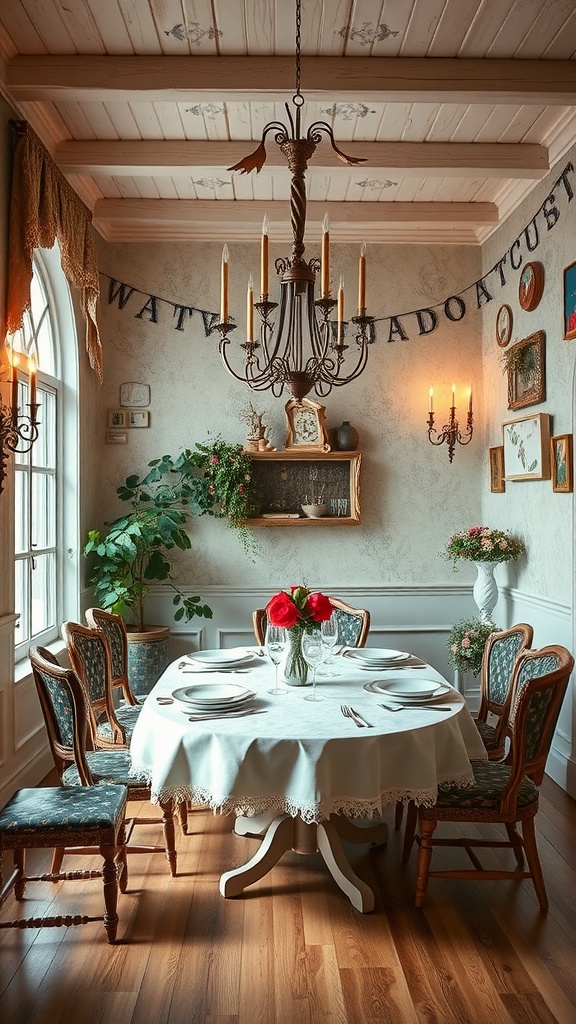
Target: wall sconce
{"x": 18, "y": 432}
{"x": 451, "y": 430}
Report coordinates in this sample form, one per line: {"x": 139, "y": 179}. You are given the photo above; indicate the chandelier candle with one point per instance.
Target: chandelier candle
{"x": 362, "y": 280}
{"x": 224, "y": 287}
{"x": 263, "y": 261}
{"x": 341, "y": 311}
{"x": 325, "y": 262}
{"x": 14, "y": 361}
{"x": 32, "y": 369}
{"x": 250, "y": 310}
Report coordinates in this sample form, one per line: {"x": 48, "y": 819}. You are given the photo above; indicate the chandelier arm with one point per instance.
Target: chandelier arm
{"x": 314, "y": 135}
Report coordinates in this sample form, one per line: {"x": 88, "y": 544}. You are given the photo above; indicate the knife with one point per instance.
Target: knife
{"x": 227, "y": 714}
{"x": 359, "y": 718}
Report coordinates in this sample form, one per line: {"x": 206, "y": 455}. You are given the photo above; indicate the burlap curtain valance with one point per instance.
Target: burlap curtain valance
{"x": 45, "y": 208}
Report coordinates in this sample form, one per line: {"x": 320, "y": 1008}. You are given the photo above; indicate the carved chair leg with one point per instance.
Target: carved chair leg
{"x": 427, "y": 828}
{"x": 529, "y": 833}
{"x": 110, "y": 879}
{"x": 57, "y": 858}
{"x": 409, "y": 831}
{"x": 20, "y": 879}
{"x": 182, "y": 808}
{"x": 169, "y": 837}
{"x": 516, "y": 843}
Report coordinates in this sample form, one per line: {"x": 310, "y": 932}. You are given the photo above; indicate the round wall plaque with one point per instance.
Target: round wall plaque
{"x": 504, "y": 321}
{"x": 531, "y": 286}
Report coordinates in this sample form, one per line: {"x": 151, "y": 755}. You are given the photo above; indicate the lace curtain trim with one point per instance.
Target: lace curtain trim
{"x": 311, "y": 814}
{"x": 44, "y": 207}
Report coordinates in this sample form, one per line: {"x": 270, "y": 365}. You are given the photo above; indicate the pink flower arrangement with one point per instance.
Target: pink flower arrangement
{"x": 483, "y": 544}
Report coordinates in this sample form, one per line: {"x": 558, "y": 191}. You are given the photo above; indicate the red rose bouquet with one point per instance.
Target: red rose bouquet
{"x": 298, "y": 610}
{"x": 298, "y": 607}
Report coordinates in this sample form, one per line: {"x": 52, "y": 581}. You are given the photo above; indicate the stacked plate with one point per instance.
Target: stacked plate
{"x": 409, "y": 691}
{"x": 214, "y": 698}
{"x": 374, "y": 658}
{"x": 220, "y": 660}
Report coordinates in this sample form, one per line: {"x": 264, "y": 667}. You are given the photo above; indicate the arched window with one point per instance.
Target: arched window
{"x": 46, "y": 479}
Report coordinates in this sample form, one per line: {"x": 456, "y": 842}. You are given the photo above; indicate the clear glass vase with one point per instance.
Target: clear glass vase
{"x": 295, "y": 667}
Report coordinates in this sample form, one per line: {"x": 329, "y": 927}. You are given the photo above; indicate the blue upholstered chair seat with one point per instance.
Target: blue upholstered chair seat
{"x": 106, "y": 766}
{"x": 50, "y": 811}
{"x": 487, "y": 735}
{"x": 490, "y": 781}
{"x": 127, "y": 716}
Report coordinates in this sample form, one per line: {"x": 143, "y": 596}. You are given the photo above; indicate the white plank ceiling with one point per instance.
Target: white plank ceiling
{"x": 459, "y": 107}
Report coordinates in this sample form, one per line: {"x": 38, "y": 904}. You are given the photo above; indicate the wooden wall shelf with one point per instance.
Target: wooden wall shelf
{"x": 288, "y": 478}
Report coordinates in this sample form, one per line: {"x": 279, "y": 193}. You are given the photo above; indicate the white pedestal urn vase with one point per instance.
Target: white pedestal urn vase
{"x": 485, "y": 590}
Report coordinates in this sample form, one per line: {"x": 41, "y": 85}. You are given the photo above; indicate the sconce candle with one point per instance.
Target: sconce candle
{"x": 362, "y": 280}
{"x": 451, "y": 431}
{"x": 325, "y": 264}
{"x": 250, "y": 310}
{"x": 14, "y": 403}
{"x": 453, "y": 396}
{"x": 341, "y": 311}
{"x": 431, "y": 402}
{"x": 264, "y": 258}
{"x": 33, "y": 372}
{"x": 224, "y": 287}
{"x": 469, "y": 401}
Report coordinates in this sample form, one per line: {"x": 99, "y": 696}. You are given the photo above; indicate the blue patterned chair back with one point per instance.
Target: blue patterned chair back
{"x": 503, "y": 652}
{"x": 113, "y": 628}
{"x": 63, "y": 703}
{"x": 90, "y": 658}
{"x": 538, "y": 688}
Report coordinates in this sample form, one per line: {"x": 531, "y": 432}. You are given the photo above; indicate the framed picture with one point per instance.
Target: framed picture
{"x": 137, "y": 419}
{"x": 306, "y": 423}
{"x": 116, "y": 437}
{"x": 561, "y": 461}
{"x": 117, "y": 418}
{"x": 132, "y": 393}
{"x": 496, "y": 459}
{"x": 527, "y": 448}
{"x": 526, "y": 379}
{"x": 531, "y": 286}
{"x": 504, "y": 321}
{"x": 570, "y": 302}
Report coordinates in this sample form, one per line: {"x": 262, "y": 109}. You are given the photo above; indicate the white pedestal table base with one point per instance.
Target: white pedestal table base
{"x": 282, "y": 833}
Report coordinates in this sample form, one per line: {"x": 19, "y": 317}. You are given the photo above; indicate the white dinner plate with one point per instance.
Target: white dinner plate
{"x": 375, "y": 654}
{"x": 210, "y": 693}
{"x": 226, "y": 708}
{"x": 220, "y": 659}
{"x": 409, "y": 691}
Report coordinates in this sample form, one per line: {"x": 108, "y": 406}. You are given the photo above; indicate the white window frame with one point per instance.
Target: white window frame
{"x": 66, "y": 385}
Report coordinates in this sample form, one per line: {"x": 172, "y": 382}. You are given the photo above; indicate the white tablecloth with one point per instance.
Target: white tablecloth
{"x": 303, "y": 758}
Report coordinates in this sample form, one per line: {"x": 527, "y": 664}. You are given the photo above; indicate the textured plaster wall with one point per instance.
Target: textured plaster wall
{"x": 412, "y": 498}
{"x": 530, "y": 508}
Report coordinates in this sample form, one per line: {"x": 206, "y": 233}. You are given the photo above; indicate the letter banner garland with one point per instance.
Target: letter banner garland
{"x": 453, "y": 307}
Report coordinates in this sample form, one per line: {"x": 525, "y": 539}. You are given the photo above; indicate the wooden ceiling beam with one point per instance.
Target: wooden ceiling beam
{"x": 176, "y": 157}
{"x": 242, "y": 220}
{"x": 73, "y": 77}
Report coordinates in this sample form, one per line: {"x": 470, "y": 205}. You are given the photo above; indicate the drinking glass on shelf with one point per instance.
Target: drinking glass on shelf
{"x": 313, "y": 651}
{"x": 275, "y": 643}
{"x": 329, "y": 635}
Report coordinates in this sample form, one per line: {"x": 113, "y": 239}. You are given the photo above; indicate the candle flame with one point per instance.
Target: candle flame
{"x": 265, "y": 224}
{"x": 225, "y": 254}
{"x": 326, "y": 224}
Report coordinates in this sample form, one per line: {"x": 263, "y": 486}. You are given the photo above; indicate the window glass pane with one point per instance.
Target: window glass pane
{"x": 44, "y": 449}
{"x": 21, "y": 538}
{"x": 45, "y": 347}
{"x": 43, "y": 591}
{"x": 43, "y": 519}
{"x": 22, "y": 632}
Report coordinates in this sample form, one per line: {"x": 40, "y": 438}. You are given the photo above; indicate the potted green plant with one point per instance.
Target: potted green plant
{"x": 133, "y": 553}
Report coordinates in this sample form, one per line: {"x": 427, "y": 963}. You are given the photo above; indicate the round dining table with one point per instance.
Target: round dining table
{"x": 301, "y": 775}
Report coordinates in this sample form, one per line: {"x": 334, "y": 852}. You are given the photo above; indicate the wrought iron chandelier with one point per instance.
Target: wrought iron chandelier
{"x": 278, "y": 357}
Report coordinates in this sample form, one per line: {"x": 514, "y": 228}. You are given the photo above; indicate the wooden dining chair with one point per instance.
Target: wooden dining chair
{"x": 353, "y": 623}
{"x": 64, "y": 706}
{"x": 90, "y": 657}
{"x": 503, "y": 792}
{"x": 114, "y": 630}
{"x": 85, "y": 819}
{"x": 500, "y": 653}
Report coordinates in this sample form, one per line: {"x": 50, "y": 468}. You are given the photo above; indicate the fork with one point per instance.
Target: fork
{"x": 349, "y": 712}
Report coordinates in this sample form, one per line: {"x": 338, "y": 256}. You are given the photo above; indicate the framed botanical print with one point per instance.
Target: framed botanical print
{"x": 561, "y": 461}
{"x": 531, "y": 286}
{"x": 306, "y": 422}
{"x": 496, "y": 459}
{"x": 504, "y": 320}
{"x": 525, "y": 365}
{"x": 570, "y": 302}
{"x": 527, "y": 448}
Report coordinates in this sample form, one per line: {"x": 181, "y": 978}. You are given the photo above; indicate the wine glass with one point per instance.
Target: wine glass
{"x": 329, "y": 634}
{"x": 313, "y": 652}
{"x": 275, "y": 643}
